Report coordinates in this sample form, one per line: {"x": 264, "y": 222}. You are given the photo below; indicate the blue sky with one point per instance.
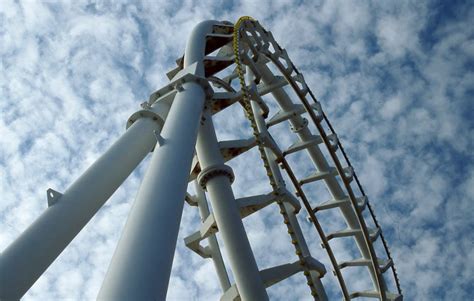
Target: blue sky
{"x": 395, "y": 78}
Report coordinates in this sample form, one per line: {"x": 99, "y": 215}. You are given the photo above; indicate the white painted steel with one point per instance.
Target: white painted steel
{"x": 196, "y": 45}
{"x": 212, "y": 240}
{"x": 23, "y": 262}
{"x": 319, "y": 161}
{"x": 141, "y": 265}
{"x": 292, "y": 219}
{"x": 227, "y": 215}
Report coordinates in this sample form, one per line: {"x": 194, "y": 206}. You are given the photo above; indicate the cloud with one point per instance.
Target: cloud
{"x": 395, "y": 79}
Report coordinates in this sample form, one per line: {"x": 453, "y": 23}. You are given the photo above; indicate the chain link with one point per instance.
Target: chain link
{"x": 249, "y": 114}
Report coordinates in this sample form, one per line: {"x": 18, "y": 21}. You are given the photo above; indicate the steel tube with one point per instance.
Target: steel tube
{"x": 141, "y": 265}
{"x": 212, "y": 240}
{"x": 227, "y": 215}
{"x": 23, "y": 262}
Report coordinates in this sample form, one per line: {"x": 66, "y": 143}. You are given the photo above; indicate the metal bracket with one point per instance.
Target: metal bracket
{"x": 193, "y": 241}
{"x": 232, "y": 294}
{"x": 213, "y": 171}
{"x": 252, "y": 65}
{"x": 160, "y": 140}
{"x": 147, "y": 113}
{"x": 276, "y": 274}
{"x": 191, "y": 200}
{"x": 229, "y": 150}
{"x": 288, "y": 197}
{"x": 222, "y": 100}
{"x": 297, "y": 129}
{"x": 268, "y": 141}
{"x": 53, "y": 196}
{"x": 176, "y": 84}
{"x": 255, "y": 96}
{"x": 249, "y": 205}
{"x": 233, "y": 148}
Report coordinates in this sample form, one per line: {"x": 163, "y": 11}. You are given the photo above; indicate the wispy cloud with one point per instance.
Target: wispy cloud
{"x": 396, "y": 80}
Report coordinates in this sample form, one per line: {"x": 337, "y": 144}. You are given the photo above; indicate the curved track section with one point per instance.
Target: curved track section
{"x": 270, "y": 73}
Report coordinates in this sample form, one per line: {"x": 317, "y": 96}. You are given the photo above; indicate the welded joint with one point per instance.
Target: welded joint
{"x": 333, "y": 141}
{"x": 265, "y": 50}
{"x": 193, "y": 243}
{"x": 53, "y": 196}
{"x": 233, "y": 148}
{"x": 255, "y": 96}
{"x": 178, "y": 84}
{"x": 319, "y": 111}
{"x": 250, "y": 205}
{"x": 232, "y": 294}
{"x": 146, "y": 113}
{"x": 248, "y": 61}
{"x": 276, "y": 274}
{"x": 159, "y": 139}
{"x": 299, "y": 78}
{"x": 348, "y": 173}
{"x": 298, "y": 128}
{"x": 191, "y": 200}
{"x": 267, "y": 140}
{"x": 286, "y": 196}
{"x": 185, "y": 75}
{"x": 145, "y": 105}
{"x": 213, "y": 171}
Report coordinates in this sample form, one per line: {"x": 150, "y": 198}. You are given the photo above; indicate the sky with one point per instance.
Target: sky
{"x": 395, "y": 78}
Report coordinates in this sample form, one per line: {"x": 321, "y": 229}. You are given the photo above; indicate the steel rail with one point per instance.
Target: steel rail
{"x": 286, "y": 166}
{"x": 369, "y": 206}
{"x": 340, "y": 170}
{"x": 249, "y": 113}
{"x": 341, "y": 173}
{"x": 364, "y": 237}
{"x": 375, "y": 265}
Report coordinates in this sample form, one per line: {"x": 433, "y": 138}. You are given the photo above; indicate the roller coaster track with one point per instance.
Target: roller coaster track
{"x": 253, "y": 52}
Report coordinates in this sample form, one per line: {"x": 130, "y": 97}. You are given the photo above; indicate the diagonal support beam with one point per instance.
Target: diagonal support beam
{"x": 141, "y": 264}
{"x": 142, "y": 251}
{"x": 19, "y": 266}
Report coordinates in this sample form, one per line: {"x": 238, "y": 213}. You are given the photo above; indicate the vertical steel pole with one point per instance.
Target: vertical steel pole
{"x": 141, "y": 265}
{"x": 212, "y": 239}
{"x": 23, "y": 262}
{"x": 216, "y": 178}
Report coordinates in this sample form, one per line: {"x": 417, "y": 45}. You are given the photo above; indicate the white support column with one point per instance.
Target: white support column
{"x": 141, "y": 265}
{"x": 212, "y": 240}
{"x": 23, "y": 262}
{"x": 217, "y": 178}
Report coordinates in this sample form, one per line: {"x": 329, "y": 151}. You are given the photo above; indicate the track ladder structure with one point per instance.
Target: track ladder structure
{"x": 234, "y": 65}
{"x": 254, "y": 48}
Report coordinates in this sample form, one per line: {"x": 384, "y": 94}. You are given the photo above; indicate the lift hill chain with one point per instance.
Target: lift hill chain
{"x": 141, "y": 265}
{"x": 253, "y": 47}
